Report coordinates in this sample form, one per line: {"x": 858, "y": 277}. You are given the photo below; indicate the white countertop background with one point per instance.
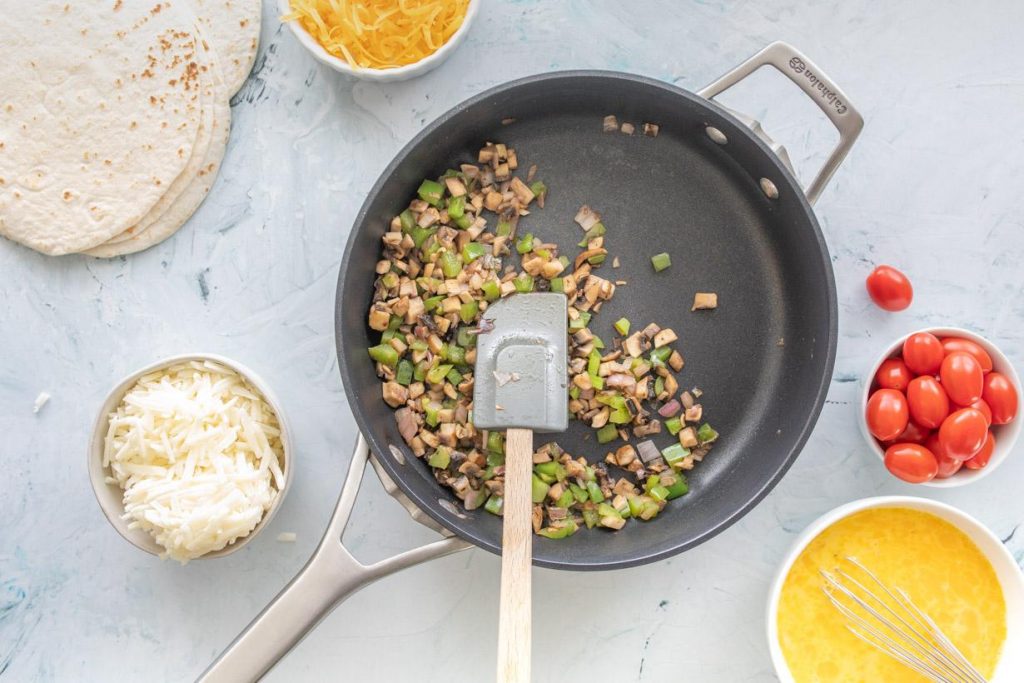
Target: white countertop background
{"x": 934, "y": 185}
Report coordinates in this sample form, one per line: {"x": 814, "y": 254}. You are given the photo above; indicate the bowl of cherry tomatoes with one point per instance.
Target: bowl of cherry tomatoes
{"x": 939, "y": 407}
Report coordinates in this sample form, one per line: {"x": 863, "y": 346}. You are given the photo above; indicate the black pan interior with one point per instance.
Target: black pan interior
{"x": 763, "y": 358}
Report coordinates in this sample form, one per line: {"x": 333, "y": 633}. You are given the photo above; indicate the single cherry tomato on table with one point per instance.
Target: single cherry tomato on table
{"x": 952, "y": 344}
{"x": 911, "y": 462}
{"x": 887, "y": 414}
{"x": 982, "y": 457}
{"x": 1001, "y": 397}
{"x": 889, "y": 288}
{"x": 963, "y": 433}
{"x": 983, "y": 408}
{"x": 893, "y": 373}
{"x": 962, "y": 378}
{"x": 927, "y": 401}
{"x": 923, "y": 353}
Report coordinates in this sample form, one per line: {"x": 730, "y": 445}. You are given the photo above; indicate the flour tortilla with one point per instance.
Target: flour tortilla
{"x": 212, "y": 94}
{"x": 178, "y": 213}
{"x": 101, "y": 111}
{"x": 234, "y": 28}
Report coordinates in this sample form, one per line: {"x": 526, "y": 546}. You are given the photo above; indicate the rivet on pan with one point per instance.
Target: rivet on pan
{"x": 769, "y": 189}
{"x": 397, "y": 453}
{"x": 716, "y": 135}
{"x": 447, "y": 505}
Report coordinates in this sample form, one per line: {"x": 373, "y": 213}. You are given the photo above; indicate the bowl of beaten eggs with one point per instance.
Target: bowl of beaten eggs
{"x": 952, "y": 567}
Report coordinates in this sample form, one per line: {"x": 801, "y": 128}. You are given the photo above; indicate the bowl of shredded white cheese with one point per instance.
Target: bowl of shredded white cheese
{"x": 190, "y": 457}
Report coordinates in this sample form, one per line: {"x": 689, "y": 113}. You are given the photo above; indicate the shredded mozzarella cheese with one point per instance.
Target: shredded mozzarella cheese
{"x": 198, "y": 453}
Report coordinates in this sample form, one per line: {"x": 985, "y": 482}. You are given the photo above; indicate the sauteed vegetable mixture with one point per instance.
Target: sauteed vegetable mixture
{"x": 444, "y": 259}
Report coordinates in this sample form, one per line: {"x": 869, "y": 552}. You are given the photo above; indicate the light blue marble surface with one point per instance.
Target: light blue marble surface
{"x": 934, "y": 185}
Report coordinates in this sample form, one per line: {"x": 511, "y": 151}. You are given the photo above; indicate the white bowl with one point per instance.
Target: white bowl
{"x": 1011, "y": 662}
{"x": 110, "y": 496}
{"x": 401, "y": 73}
{"x": 1006, "y": 435}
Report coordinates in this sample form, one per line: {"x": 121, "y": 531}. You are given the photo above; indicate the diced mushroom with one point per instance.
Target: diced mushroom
{"x": 523, "y": 193}
{"x": 651, "y": 129}
{"x": 627, "y": 128}
{"x": 455, "y": 186}
{"x": 632, "y": 345}
{"x": 587, "y": 217}
{"x": 625, "y": 455}
{"x": 379, "y": 318}
{"x": 704, "y": 300}
{"x": 611, "y": 123}
{"x": 694, "y": 414}
{"x": 651, "y": 330}
{"x": 652, "y": 427}
{"x": 664, "y": 337}
{"x": 395, "y": 394}
{"x": 407, "y": 425}
{"x": 688, "y": 438}
{"x": 675, "y": 361}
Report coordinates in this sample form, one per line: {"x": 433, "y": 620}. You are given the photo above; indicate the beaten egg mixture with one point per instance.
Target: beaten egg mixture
{"x": 941, "y": 569}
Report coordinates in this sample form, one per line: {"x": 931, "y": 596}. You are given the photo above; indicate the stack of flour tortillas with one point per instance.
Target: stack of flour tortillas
{"x": 114, "y": 116}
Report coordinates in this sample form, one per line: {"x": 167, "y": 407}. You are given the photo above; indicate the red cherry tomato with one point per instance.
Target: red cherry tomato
{"x": 893, "y": 373}
{"x": 951, "y": 344}
{"x": 947, "y": 466}
{"x": 962, "y": 378}
{"x": 889, "y": 288}
{"x": 1001, "y": 397}
{"x": 914, "y": 433}
{"x": 911, "y": 462}
{"x": 923, "y": 353}
{"x": 927, "y": 401}
{"x": 887, "y": 414}
{"x": 983, "y": 456}
{"x": 985, "y": 410}
{"x": 963, "y": 433}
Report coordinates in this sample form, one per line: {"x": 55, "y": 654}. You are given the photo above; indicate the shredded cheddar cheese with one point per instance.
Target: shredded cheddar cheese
{"x": 379, "y": 34}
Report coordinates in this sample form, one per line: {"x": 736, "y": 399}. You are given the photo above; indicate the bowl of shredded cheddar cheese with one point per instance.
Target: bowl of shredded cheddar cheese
{"x": 380, "y": 40}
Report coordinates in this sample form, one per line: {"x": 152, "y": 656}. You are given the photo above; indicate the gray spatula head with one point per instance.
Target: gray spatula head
{"x": 520, "y": 378}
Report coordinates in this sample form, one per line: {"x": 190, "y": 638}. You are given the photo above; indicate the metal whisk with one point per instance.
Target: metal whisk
{"x": 887, "y": 619}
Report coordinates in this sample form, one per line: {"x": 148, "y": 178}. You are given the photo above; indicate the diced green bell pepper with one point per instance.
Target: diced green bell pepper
{"x": 661, "y": 261}
{"x": 457, "y": 207}
{"x": 384, "y": 353}
{"x": 675, "y": 453}
{"x": 539, "y": 489}
{"x": 438, "y": 373}
{"x": 407, "y": 220}
{"x": 607, "y": 434}
{"x": 491, "y": 289}
{"x": 472, "y": 251}
{"x": 431, "y": 192}
{"x": 706, "y": 434}
{"x": 403, "y": 375}
{"x": 674, "y": 425}
{"x": 495, "y": 505}
{"x": 468, "y": 311}
{"x": 440, "y": 458}
{"x": 450, "y": 264}
{"x": 523, "y": 283}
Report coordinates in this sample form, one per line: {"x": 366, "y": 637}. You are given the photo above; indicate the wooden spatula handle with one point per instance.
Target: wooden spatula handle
{"x": 516, "y": 557}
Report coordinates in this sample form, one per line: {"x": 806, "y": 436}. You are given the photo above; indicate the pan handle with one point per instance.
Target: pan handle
{"x": 808, "y": 77}
{"x": 331, "y": 575}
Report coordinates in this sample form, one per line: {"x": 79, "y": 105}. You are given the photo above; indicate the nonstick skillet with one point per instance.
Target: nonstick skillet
{"x": 712, "y": 190}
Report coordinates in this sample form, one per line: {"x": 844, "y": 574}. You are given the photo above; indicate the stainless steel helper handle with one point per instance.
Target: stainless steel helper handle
{"x": 331, "y": 575}
{"x": 808, "y": 77}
